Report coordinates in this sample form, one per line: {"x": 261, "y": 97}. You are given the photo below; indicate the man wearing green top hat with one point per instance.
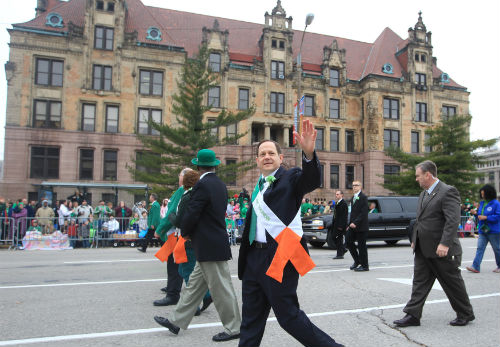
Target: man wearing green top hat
{"x": 204, "y": 224}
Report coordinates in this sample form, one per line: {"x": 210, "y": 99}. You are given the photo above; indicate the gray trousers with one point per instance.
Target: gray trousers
{"x": 213, "y": 276}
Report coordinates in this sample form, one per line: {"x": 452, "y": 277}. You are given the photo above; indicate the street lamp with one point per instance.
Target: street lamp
{"x": 309, "y": 19}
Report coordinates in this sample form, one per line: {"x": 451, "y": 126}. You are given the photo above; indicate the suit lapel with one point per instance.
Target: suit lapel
{"x": 429, "y": 198}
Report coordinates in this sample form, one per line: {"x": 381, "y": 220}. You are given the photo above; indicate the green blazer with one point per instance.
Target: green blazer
{"x": 154, "y": 215}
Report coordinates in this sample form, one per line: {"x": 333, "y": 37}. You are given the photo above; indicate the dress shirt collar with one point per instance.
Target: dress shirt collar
{"x": 431, "y": 188}
{"x": 206, "y": 173}
{"x": 272, "y": 174}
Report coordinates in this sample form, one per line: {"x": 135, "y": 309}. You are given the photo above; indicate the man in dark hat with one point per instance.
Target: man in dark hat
{"x": 204, "y": 224}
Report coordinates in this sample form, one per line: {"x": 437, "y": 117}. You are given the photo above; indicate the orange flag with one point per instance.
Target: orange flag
{"x": 289, "y": 248}
{"x": 180, "y": 255}
{"x": 167, "y": 248}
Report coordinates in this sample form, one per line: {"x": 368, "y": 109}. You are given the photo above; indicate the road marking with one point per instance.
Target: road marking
{"x": 108, "y": 261}
{"x": 213, "y": 324}
{"x": 409, "y": 282}
{"x": 163, "y": 279}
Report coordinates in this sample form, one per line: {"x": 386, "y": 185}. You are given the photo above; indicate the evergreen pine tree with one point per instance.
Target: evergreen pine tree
{"x": 176, "y": 144}
{"x": 453, "y": 153}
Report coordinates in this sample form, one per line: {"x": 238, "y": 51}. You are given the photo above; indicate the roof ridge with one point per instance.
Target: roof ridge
{"x": 157, "y": 22}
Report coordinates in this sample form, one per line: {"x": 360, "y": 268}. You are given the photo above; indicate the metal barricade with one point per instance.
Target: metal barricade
{"x": 7, "y": 231}
{"x": 467, "y": 226}
{"x": 116, "y": 231}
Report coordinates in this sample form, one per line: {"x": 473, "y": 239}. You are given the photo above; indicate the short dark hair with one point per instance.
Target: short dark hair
{"x": 154, "y": 196}
{"x": 428, "y": 166}
{"x": 489, "y": 192}
{"x": 278, "y": 147}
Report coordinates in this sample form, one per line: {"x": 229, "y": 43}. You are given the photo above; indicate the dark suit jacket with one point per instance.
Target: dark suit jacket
{"x": 284, "y": 197}
{"x": 340, "y": 216}
{"x": 204, "y": 220}
{"x": 359, "y": 213}
{"x": 437, "y": 221}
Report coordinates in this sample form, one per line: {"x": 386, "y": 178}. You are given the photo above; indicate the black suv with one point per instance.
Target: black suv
{"x": 390, "y": 224}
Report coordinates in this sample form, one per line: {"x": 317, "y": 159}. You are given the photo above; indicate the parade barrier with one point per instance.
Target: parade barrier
{"x": 7, "y": 231}
{"x": 467, "y": 226}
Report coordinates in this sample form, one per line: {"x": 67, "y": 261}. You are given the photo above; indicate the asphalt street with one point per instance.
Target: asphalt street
{"x": 103, "y": 297}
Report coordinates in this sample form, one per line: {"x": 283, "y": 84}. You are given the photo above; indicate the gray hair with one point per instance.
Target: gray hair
{"x": 428, "y": 166}
{"x": 183, "y": 172}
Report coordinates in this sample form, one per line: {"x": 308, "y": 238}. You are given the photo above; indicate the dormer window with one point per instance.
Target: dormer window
{"x": 445, "y": 78}
{"x": 111, "y": 7}
{"x": 417, "y": 57}
{"x": 277, "y": 70}
{"x": 277, "y": 44}
{"x": 282, "y": 44}
{"x": 99, "y": 5}
{"x": 214, "y": 62}
{"x": 387, "y": 68}
{"x": 422, "y": 58}
{"x": 154, "y": 34}
{"x": 54, "y": 20}
{"x": 334, "y": 78}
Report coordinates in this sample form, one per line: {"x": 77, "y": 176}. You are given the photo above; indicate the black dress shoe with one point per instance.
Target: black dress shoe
{"x": 206, "y": 303}
{"x": 407, "y": 321}
{"x": 220, "y": 337}
{"x": 353, "y": 266}
{"x": 460, "y": 322}
{"x": 165, "y": 323}
{"x": 338, "y": 257}
{"x": 164, "y": 289}
{"x": 198, "y": 311}
{"x": 362, "y": 268}
{"x": 166, "y": 301}
{"x": 140, "y": 249}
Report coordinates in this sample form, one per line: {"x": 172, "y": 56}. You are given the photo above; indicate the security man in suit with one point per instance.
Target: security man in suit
{"x": 358, "y": 229}
{"x": 204, "y": 224}
{"x": 438, "y": 253}
{"x": 339, "y": 226}
{"x": 283, "y": 191}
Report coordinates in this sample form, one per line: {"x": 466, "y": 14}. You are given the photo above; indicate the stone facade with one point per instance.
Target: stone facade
{"x": 362, "y": 89}
{"x": 490, "y": 167}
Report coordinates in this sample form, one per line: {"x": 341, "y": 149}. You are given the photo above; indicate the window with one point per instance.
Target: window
{"x": 231, "y": 176}
{"x": 147, "y": 162}
{"x": 47, "y": 114}
{"x": 277, "y": 102}
{"x": 231, "y": 131}
{"x": 390, "y": 170}
{"x": 86, "y": 164}
{"x": 415, "y": 142}
{"x": 88, "y": 117}
{"x": 491, "y": 176}
{"x": 349, "y": 176}
{"x": 110, "y": 165}
{"x": 334, "y": 78}
{"x": 214, "y": 62}
{"x": 391, "y": 108}
{"x": 243, "y": 99}
{"x": 147, "y": 115}
{"x": 274, "y": 43}
{"x": 99, "y": 5}
{"x": 102, "y": 77}
{"x": 448, "y": 111}
{"x": 309, "y": 106}
{"x": 334, "y": 109}
{"x": 282, "y": 44}
{"x": 349, "y": 141}
{"x": 423, "y": 58}
{"x": 421, "y": 115}
{"x": 417, "y": 57}
{"x": 277, "y": 69}
{"x": 214, "y": 131}
{"x": 112, "y": 113}
{"x": 334, "y": 140}
{"x": 322, "y": 175}
{"x": 427, "y": 148}
{"x": 320, "y": 139}
{"x": 151, "y": 82}
{"x": 44, "y": 162}
{"x": 103, "y": 38}
{"x": 110, "y": 197}
{"x": 420, "y": 79}
{"x": 334, "y": 176}
{"x": 111, "y": 7}
{"x": 391, "y": 138}
{"x": 49, "y": 72}
{"x": 214, "y": 97}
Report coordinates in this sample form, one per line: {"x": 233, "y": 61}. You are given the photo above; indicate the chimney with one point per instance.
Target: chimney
{"x": 41, "y": 7}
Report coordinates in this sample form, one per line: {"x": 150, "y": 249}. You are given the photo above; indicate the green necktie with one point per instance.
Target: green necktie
{"x": 253, "y": 221}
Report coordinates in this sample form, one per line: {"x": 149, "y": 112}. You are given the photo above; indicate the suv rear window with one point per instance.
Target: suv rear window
{"x": 390, "y": 206}
{"x": 409, "y": 204}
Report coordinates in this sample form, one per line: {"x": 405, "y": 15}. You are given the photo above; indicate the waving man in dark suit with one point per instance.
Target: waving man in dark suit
{"x": 438, "y": 253}
{"x": 275, "y": 205}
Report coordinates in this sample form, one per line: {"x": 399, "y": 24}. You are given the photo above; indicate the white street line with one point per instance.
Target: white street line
{"x": 209, "y": 325}
{"x": 163, "y": 279}
{"x": 409, "y": 282}
{"x": 108, "y": 261}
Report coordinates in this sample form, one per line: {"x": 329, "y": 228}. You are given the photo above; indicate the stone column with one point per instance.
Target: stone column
{"x": 286, "y": 137}
{"x": 267, "y": 131}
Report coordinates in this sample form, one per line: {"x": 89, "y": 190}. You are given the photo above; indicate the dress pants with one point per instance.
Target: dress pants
{"x": 339, "y": 242}
{"x": 261, "y": 293}
{"x": 447, "y": 272}
{"x": 359, "y": 254}
{"x": 215, "y": 276}
{"x": 147, "y": 239}
{"x": 174, "y": 280}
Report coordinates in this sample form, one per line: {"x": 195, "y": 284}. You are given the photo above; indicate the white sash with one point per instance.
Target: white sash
{"x": 272, "y": 223}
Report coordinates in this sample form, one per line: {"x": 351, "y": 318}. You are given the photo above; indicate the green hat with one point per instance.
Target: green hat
{"x": 205, "y": 157}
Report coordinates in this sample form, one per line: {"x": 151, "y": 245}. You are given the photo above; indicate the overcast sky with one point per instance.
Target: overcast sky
{"x": 465, "y": 37}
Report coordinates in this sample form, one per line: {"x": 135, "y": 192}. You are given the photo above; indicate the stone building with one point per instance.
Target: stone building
{"x": 84, "y": 76}
{"x": 490, "y": 167}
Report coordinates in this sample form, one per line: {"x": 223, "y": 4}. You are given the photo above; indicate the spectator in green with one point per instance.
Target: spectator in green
{"x": 153, "y": 221}
{"x": 34, "y": 226}
{"x": 102, "y": 213}
{"x": 373, "y": 207}
{"x": 306, "y": 206}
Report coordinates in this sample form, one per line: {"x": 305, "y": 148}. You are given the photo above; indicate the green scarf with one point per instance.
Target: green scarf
{"x": 165, "y": 224}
